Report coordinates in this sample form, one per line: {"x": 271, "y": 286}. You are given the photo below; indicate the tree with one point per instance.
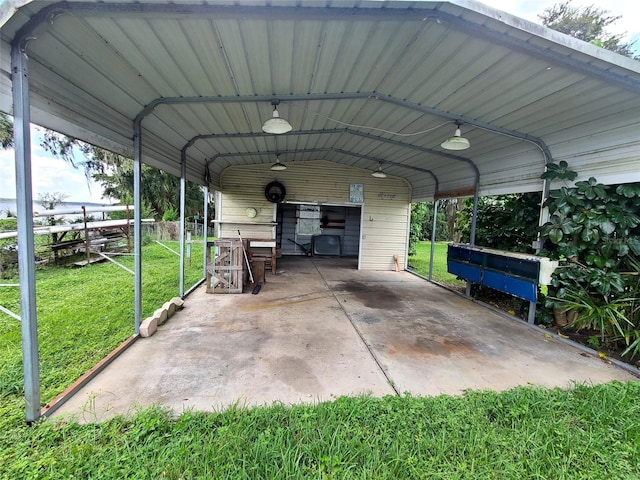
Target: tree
{"x": 453, "y": 207}
{"x": 586, "y": 23}
{"x": 504, "y": 222}
{"x": 50, "y": 201}
{"x": 422, "y": 224}
{"x": 418, "y": 220}
{"x": 6, "y": 131}
{"x": 160, "y": 191}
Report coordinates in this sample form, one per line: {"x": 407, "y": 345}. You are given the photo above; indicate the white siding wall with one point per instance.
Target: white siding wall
{"x": 385, "y": 213}
{"x": 385, "y": 219}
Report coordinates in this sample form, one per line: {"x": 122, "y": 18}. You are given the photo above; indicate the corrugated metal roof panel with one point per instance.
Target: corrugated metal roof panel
{"x": 99, "y": 66}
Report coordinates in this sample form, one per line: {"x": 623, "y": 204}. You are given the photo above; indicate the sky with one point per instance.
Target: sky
{"x": 530, "y": 9}
{"x": 52, "y": 175}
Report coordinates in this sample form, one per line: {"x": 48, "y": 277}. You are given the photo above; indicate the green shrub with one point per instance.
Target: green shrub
{"x": 170, "y": 215}
{"x": 8, "y": 224}
{"x": 594, "y": 231}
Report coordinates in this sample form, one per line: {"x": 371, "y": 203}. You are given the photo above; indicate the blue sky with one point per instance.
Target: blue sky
{"x": 54, "y": 175}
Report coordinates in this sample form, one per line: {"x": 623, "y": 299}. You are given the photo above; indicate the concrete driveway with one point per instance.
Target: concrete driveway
{"x": 320, "y": 329}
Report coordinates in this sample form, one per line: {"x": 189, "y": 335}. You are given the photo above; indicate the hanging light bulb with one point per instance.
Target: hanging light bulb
{"x": 277, "y": 167}
{"x": 379, "y": 173}
{"x": 276, "y": 124}
{"x": 457, "y": 142}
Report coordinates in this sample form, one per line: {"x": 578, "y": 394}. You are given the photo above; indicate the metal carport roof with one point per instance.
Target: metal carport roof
{"x": 186, "y": 87}
{"x": 361, "y": 82}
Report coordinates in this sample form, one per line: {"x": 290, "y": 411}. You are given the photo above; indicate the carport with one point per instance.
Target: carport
{"x": 186, "y": 87}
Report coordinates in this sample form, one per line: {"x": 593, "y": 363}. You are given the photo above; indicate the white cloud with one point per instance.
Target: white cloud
{"x": 49, "y": 175}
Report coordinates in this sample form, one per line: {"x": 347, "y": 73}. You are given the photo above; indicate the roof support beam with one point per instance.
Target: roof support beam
{"x": 205, "y": 230}
{"x": 538, "y": 142}
{"x": 350, "y": 131}
{"x": 327, "y": 149}
{"x": 351, "y": 96}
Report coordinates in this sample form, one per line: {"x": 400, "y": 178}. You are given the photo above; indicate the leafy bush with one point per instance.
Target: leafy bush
{"x": 8, "y": 260}
{"x": 170, "y": 215}
{"x": 504, "y": 221}
{"x": 594, "y": 231}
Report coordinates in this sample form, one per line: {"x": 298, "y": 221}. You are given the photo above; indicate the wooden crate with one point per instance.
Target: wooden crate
{"x": 225, "y": 273}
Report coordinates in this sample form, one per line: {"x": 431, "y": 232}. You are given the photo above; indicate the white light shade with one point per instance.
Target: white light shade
{"x": 278, "y": 166}
{"x": 276, "y": 124}
{"x": 457, "y": 142}
{"x": 379, "y": 174}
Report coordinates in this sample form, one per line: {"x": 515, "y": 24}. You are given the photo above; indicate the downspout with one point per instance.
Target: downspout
{"x": 26, "y": 250}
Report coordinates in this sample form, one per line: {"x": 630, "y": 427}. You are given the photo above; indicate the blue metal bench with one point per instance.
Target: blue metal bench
{"x": 517, "y": 274}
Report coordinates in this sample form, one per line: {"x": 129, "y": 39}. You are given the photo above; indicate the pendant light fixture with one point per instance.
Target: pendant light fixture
{"x": 278, "y": 167}
{"x": 379, "y": 173}
{"x": 276, "y": 124}
{"x": 457, "y": 142}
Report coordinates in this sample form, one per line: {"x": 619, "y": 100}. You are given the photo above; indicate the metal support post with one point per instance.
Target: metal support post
{"x": 183, "y": 191}
{"x": 26, "y": 250}
{"x": 205, "y": 231}
{"x": 433, "y": 237}
{"x": 137, "y": 224}
{"x": 472, "y": 238}
{"x": 544, "y": 217}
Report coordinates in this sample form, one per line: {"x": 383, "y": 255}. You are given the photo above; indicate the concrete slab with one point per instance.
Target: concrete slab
{"x": 320, "y": 329}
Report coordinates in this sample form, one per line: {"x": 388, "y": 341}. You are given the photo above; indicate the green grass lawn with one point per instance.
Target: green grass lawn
{"x": 420, "y": 263}
{"x": 84, "y": 313}
{"x": 525, "y": 433}
{"x": 586, "y": 432}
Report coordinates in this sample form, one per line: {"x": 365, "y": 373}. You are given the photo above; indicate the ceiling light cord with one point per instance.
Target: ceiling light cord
{"x": 514, "y": 137}
{"x": 365, "y": 127}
